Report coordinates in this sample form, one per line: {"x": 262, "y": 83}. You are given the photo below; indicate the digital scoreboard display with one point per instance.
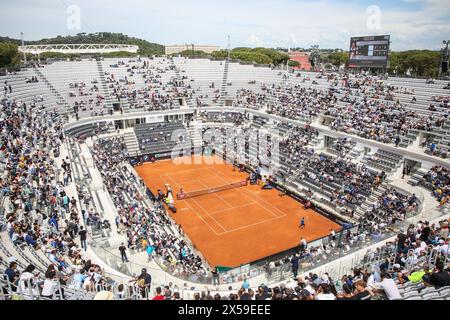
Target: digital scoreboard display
{"x": 371, "y": 51}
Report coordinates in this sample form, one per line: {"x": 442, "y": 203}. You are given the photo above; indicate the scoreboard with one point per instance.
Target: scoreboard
{"x": 370, "y": 51}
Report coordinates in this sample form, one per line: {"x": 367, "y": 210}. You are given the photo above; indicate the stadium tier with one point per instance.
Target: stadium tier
{"x": 87, "y": 207}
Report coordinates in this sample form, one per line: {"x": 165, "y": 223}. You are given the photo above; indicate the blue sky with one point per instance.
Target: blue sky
{"x": 412, "y": 24}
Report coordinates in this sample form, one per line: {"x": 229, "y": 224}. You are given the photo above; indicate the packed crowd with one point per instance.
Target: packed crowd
{"x": 145, "y": 226}
{"x": 40, "y": 217}
{"x": 155, "y": 94}
{"x": 361, "y": 105}
{"x": 438, "y": 181}
{"x": 84, "y": 98}
{"x": 418, "y": 259}
{"x": 390, "y": 207}
{"x": 341, "y": 146}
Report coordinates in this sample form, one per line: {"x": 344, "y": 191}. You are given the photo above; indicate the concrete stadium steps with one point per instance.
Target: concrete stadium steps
{"x": 355, "y": 153}
{"x": 415, "y": 179}
{"x": 369, "y": 201}
{"x": 136, "y": 75}
{"x": 159, "y": 135}
{"x": 131, "y": 142}
{"x": 61, "y": 74}
{"x": 223, "y": 89}
{"x": 188, "y": 99}
{"x": 383, "y": 160}
{"x": 108, "y": 99}
{"x": 409, "y": 139}
{"x": 195, "y": 134}
{"x": 238, "y": 75}
{"x": 65, "y": 107}
{"x": 201, "y": 73}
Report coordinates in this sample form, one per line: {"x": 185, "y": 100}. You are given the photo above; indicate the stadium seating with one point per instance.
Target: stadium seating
{"x": 35, "y": 112}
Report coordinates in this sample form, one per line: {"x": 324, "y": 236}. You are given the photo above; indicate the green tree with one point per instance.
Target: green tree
{"x": 9, "y": 55}
{"x": 220, "y": 54}
{"x": 338, "y": 58}
{"x": 251, "y": 57}
{"x": 195, "y": 53}
{"x": 420, "y": 63}
{"x": 257, "y": 55}
{"x": 276, "y": 56}
{"x": 145, "y": 47}
{"x": 293, "y": 63}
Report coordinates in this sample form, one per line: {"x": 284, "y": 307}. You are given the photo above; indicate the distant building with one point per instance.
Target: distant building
{"x": 302, "y": 58}
{"x": 179, "y": 48}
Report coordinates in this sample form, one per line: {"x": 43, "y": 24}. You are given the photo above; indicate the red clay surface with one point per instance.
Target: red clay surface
{"x": 235, "y": 226}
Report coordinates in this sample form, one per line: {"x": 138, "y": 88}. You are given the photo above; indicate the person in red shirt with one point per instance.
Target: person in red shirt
{"x": 158, "y": 296}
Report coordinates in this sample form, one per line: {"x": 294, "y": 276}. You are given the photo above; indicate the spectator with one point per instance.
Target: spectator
{"x": 387, "y": 287}
{"x": 361, "y": 291}
{"x": 123, "y": 253}
{"x": 440, "y": 277}
{"x": 324, "y": 292}
{"x": 158, "y": 296}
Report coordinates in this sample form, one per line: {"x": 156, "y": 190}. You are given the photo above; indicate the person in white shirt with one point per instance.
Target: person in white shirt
{"x": 410, "y": 259}
{"x": 324, "y": 292}
{"x": 303, "y": 244}
{"x": 420, "y": 246}
{"x": 443, "y": 247}
{"x": 388, "y": 287}
{"x": 51, "y": 285}
{"x": 27, "y": 283}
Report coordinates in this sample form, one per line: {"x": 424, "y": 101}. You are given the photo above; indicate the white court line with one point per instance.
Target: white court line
{"x": 228, "y": 209}
{"x": 239, "y": 228}
{"x": 218, "y": 234}
{"x": 222, "y": 210}
{"x": 231, "y": 207}
{"x": 253, "y": 224}
{"x": 226, "y": 202}
{"x": 206, "y": 212}
{"x": 201, "y": 207}
{"x": 248, "y": 192}
{"x": 269, "y": 204}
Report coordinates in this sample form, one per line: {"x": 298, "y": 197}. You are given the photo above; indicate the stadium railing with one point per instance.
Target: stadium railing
{"x": 277, "y": 274}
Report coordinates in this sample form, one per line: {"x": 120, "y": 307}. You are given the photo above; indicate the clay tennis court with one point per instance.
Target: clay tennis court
{"x": 235, "y": 226}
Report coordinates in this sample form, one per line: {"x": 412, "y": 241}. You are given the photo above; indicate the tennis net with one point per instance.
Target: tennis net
{"x": 196, "y": 193}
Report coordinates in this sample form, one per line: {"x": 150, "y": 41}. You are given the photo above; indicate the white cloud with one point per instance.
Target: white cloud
{"x": 255, "y": 41}
{"x": 413, "y": 24}
{"x": 293, "y": 39}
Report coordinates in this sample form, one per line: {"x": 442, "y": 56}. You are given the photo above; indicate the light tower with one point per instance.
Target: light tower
{"x": 229, "y": 48}
{"x": 443, "y": 68}
{"x": 24, "y": 54}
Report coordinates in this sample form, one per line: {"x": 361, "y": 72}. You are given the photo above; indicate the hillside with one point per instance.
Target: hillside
{"x": 145, "y": 47}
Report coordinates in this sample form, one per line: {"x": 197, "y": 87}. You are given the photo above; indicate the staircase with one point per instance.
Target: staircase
{"x": 417, "y": 177}
{"x": 108, "y": 99}
{"x": 60, "y": 100}
{"x": 131, "y": 142}
{"x": 315, "y": 142}
{"x": 179, "y": 77}
{"x": 369, "y": 201}
{"x": 223, "y": 90}
{"x": 409, "y": 138}
{"x": 384, "y": 160}
{"x": 195, "y": 133}
{"x": 355, "y": 153}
